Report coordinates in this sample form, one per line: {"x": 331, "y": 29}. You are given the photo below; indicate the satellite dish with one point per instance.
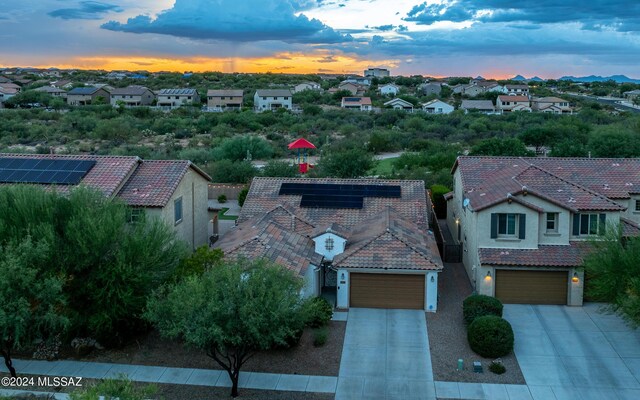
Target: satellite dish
{"x": 465, "y": 203}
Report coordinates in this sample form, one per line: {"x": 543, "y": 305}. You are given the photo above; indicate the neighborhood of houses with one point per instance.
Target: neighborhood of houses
{"x": 521, "y": 225}
{"x": 510, "y": 97}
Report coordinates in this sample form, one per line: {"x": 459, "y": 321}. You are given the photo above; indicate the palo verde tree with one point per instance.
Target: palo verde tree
{"x": 613, "y": 273}
{"x": 31, "y": 303}
{"x": 231, "y": 311}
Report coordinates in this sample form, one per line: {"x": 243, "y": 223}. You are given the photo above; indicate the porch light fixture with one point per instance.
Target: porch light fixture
{"x": 457, "y": 220}
{"x": 488, "y": 277}
{"x": 432, "y": 279}
{"x": 575, "y": 278}
{"x": 342, "y": 276}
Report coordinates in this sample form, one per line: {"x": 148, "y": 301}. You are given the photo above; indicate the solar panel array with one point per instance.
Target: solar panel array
{"x": 331, "y": 195}
{"x": 43, "y": 171}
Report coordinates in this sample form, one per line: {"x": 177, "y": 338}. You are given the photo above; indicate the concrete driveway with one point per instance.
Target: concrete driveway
{"x": 385, "y": 356}
{"x": 575, "y": 352}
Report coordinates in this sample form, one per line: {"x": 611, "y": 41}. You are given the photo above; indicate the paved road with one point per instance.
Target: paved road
{"x": 611, "y": 102}
{"x": 385, "y": 356}
{"x": 575, "y": 352}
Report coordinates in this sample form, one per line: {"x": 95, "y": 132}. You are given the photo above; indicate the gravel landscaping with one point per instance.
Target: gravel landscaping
{"x": 448, "y": 335}
{"x": 303, "y": 359}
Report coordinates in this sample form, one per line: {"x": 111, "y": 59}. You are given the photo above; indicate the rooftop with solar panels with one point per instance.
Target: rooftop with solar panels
{"x": 143, "y": 183}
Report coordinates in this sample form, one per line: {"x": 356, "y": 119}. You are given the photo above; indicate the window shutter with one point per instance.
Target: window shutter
{"x": 494, "y": 226}
{"x": 602, "y": 229}
{"x": 522, "y": 220}
{"x": 576, "y": 224}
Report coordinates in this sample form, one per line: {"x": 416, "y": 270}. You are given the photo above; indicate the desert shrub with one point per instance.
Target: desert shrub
{"x": 120, "y": 388}
{"x": 320, "y": 336}
{"x": 497, "y": 368}
{"x": 319, "y": 312}
{"x": 222, "y": 198}
{"x": 479, "y": 305}
{"x": 490, "y": 336}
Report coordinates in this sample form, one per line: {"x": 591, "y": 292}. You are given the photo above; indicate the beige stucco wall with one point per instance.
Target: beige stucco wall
{"x": 216, "y": 101}
{"x": 193, "y": 228}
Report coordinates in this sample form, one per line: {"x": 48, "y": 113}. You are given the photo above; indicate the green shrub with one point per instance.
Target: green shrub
{"x": 320, "y": 336}
{"x": 479, "y": 305}
{"x": 242, "y": 196}
{"x": 440, "y": 204}
{"x": 319, "y": 312}
{"x": 497, "y": 368}
{"x": 120, "y": 388}
{"x": 222, "y": 198}
{"x": 490, "y": 336}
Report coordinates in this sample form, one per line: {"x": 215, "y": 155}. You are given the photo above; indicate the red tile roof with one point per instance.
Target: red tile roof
{"x": 266, "y": 238}
{"x": 154, "y": 182}
{"x": 388, "y": 241}
{"x": 629, "y": 228}
{"x": 263, "y": 197}
{"x": 107, "y": 175}
{"x": 507, "y": 98}
{"x": 543, "y": 256}
{"x": 139, "y": 183}
{"x": 574, "y": 183}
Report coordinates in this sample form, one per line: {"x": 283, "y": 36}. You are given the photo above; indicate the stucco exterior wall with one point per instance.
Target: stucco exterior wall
{"x": 193, "y": 228}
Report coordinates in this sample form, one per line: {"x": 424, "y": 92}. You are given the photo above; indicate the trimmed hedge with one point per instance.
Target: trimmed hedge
{"x": 479, "y": 305}
{"x": 490, "y": 336}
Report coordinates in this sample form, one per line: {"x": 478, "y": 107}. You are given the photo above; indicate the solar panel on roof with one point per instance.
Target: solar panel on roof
{"x": 330, "y": 201}
{"x": 44, "y": 171}
{"x": 387, "y": 191}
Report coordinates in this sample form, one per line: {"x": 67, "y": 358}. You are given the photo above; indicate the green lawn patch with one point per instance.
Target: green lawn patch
{"x": 383, "y": 167}
{"x": 222, "y": 215}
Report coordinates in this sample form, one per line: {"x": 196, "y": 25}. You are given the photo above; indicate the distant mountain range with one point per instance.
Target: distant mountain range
{"x": 590, "y": 78}
{"x": 594, "y": 78}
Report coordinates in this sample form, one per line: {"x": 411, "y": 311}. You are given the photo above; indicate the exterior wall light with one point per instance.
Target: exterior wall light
{"x": 432, "y": 279}
{"x": 488, "y": 277}
{"x": 575, "y": 278}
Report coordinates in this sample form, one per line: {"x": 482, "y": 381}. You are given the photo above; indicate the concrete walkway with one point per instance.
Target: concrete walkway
{"x": 385, "y": 356}
{"x": 176, "y": 376}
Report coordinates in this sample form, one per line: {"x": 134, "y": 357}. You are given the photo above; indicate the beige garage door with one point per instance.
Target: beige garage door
{"x": 387, "y": 291}
{"x": 532, "y": 287}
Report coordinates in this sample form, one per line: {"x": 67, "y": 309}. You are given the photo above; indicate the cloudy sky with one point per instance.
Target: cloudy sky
{"x": 493, "y": 38}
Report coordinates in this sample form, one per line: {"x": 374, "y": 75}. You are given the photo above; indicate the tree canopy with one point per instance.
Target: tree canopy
{"x": 231, "y": 311}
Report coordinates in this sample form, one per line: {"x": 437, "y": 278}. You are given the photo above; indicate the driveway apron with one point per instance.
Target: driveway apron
{"x": 385, "y": 356}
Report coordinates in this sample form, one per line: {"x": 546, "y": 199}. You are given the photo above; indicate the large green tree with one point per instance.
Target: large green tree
{"x": 352, "y": 163}
{"x": 501, "y": 147}
{"x": 31, "y": 303}
{"x": 613, "y": 274}
{"x": 109, "y": 265}
{"x": 231, "y": 311}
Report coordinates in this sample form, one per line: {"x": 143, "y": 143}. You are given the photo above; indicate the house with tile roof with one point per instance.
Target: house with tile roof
{"x": 399, "y": 104}
{"x": 365, "y": 241}
{"x": 132, "y": 96}
{"x": 272, "y": 99}
{"x": 309, "y": 85}
{"x": 437, "y": 107}
{"x": 174, "y": 98}
{"x": 525, "y": 223}
{"x": 509, "y": 103}
{"x": 516, "y": 90}
{"x": 356, "y": 103}
{"x": 225, "y": 100}
{"x": 174, "y": 191}
{"x": 82, "y": 96}
{"x": 53, "y": 91}
{"x": 389, "y": 89}
{"x": 551, "y": 105}
{"x": 481, "y": 106}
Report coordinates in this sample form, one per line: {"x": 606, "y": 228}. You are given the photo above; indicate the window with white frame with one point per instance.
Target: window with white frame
{"x": 589, "y": 224}
{"x": 507, "y": 225}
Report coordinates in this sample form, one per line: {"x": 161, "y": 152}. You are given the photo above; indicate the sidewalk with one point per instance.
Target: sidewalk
{"x": 177, "y": 376}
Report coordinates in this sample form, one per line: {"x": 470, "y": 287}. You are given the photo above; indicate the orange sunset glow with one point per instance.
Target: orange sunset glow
{"x": 279, "y": 63}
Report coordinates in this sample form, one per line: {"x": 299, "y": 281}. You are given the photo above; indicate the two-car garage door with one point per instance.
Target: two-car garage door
{"x": 387, "y": 291}
{"x": 531, "y": 287}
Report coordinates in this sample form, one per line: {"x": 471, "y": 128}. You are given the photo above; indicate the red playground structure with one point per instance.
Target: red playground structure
{"x": 302, "y": 156}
